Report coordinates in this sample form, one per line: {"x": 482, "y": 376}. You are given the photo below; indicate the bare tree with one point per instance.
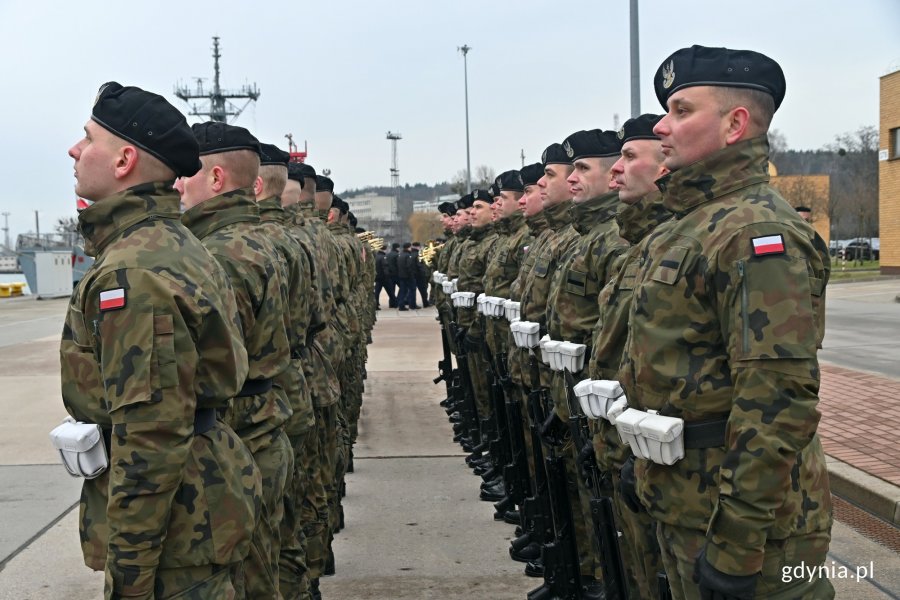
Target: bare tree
{"x": 855, "y": 176}
{"x": 484, "y": 176}
{"x": 777, "y": 145}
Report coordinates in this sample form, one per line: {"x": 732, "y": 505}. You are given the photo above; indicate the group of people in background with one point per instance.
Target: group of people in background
{"x": 401, "y": 273}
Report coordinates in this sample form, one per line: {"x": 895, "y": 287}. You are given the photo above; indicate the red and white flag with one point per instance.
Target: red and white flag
{"x": 112, "y": 299}
{"x": 768, "y": 244}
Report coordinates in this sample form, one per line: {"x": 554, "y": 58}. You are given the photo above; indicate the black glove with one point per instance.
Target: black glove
{"x": 553, "y": 430}
{"x": 716, "y": 585}
{"x": 587, "y": 459}
{"x": 627, "y": 486}
{"x": 472, "y": 343}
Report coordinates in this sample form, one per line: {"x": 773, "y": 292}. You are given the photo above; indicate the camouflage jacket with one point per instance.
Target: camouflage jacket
{"x": 635, "y": 222}
{"x": 350, "y": 263}
{"x": 501, "y": 272}
{"x": 572, "y": 308}
{"x": 228, "y": 225}
{"x": 472, "y": 264}
{"x": 724, "y": 324}
{"x": 152, "y": 335}
{"x": 546, "y": 250}
{"x": 535, "y": 224}
{"x": 301, "y": 305}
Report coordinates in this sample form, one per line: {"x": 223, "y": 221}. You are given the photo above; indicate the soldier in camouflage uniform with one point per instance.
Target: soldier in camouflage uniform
{"x": 727, "y": 315}
{"x": 220, "y": 209}
{"x": 588, "y": 247}
{"x": 151, "y": 349}
{"x": 472, "y": 265}
{"x": 640, "y": 210}
{"x": 304, "y": 318}
{"x": 299, "y": 199}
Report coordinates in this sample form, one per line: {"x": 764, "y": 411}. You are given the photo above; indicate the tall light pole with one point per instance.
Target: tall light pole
{"x": 465, "y": 50}
{"x": 635, "y": 62}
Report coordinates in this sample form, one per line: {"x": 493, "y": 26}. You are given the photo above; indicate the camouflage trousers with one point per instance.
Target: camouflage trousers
{"x": 480, "y": 383}
{"x": 301, "y": 518}
{"x": 354, "y": 395}
{"x": 579, "y": 500}
{"x": 196, "y": 583}
{"x": 680, "y": 546}
{"x": 318, "y": 538}
{"x": 638, "y": 547}
{"x": 260, "y": 568}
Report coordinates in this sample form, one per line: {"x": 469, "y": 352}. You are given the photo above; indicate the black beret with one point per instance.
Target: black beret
{"x": 593, "y": 144}
{"x": 639, "y": 128}
{"x": 272, "y": 155}
{"x": 465, "y": 202}
{"x": 448, "y": 208}
{"x": 699, "y": 65}
{"x": 338, "y": 203}
{"x": 361, "y": 230}
{"x": 555, "y": 154}
{"x": 531, "y": 173}
{"x": 511, "y": 181}
{"x": 215, "y": 138}
{"x": 351, "y": 218}
{"x": 494, "y": 189}
{"x": 148, "y": 121}
{"x": 295, "y": 172}
{"x": 324, "y": 184}
{"x": 307, "y": 170}
{"x": 803, "y": 209}
{"x": 483, "y": 195}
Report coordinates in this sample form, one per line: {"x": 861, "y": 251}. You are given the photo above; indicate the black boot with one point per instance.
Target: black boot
{"x": 314, "y": 592}
{"x": 528, "y": 554}
{"x": 535, "y": 568}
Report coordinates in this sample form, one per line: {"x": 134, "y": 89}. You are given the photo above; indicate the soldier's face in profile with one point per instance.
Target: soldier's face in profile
{"x": 96, "y": 155}
{"x": 530, "y": 202}
{"x": 481, "y": 213}
{"x": 588, "y": 179}
{"x": 553, "y": 185}
{"x": 509, "y": 204}
{"x": 640, "y": 165}
{"x": 693, "y": 128}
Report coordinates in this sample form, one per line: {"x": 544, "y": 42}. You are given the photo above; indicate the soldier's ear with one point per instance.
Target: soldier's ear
{"x": 217, "y": 179}
{"x": 257, "y": 186}
{"x": 126, "y": 161}
{"x": 737, "y": 125}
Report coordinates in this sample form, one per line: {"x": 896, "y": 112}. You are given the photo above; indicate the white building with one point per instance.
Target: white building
{"x": 9, "y": 262}
{"x": 371, "y": 207}
{"x": 432, "y": 205}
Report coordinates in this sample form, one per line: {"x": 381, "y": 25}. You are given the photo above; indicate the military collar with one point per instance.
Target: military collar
{"x": 270, "y": 209}
{"x": 585, "y": 215}
{"x": 236, "y": 206}
{"x": 465, "y": 232}
{"x": 730, "y": 169}
{"x": 108, "y": 218}
{"x": 322, "y": 213}
{"x": 512, "y": 223}
{"x": 479, "y": 233}
{"x": 536, "y": 222}
{"x": 338, "y": 228}
{"x": 638, "y": 219}
{"x": 558, "y": 216}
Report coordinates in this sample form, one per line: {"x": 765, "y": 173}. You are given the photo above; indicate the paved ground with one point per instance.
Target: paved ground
{"x": 415, "y": 528}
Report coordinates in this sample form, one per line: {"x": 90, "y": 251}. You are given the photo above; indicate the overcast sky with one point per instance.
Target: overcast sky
{"x": 340, "y": 74}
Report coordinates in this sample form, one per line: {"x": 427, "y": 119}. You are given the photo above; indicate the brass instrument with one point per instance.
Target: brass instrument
{"x": 426, "y": 254}
{"x": 376, "y": 243}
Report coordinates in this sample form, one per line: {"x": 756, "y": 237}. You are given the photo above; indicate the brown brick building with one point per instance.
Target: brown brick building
{"x": 889, "y": 174}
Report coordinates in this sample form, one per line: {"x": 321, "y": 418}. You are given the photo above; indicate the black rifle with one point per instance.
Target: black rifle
{"x": 445, "y": 366}
{"x": 562, "y": 572}
{"x": 605, "y": 532}
{"x": 515, "y": 472}
{"x": 464, "y": 396}
{"x": 500, "y": 451}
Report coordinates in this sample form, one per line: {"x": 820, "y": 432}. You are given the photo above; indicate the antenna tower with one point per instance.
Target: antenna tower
{"x": 220, "y": 107}
{"x": 395, "y": 171}
{"x": 6, "y": 229}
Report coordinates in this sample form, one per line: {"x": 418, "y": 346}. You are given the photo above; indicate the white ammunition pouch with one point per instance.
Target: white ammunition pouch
{"x": 463, "y": 299}
{"x": 438, "y": 277}
{"x": 550, "y": 353}
{"x": 494, "y": 306}
{"x": 652, "y": 436}
{"x": 525, "y": 333}
{"x": 512, "y": 310}
{"x": 479, "y": 302}
{"x": 447, "y": 286}
{"x": 570, "y": 356}
{"x": 81, "y": 448}
{"x": 597, "y": 397}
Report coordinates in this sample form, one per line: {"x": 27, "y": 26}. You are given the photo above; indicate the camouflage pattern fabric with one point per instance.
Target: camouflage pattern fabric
{"x": 228, "y": 225}
{"x": 721, "y": 330}
{"x": 170, "y": 500}
{"x": 640, "y": 550}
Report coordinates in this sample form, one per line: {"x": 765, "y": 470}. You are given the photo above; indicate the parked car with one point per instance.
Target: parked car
{"x": 859, "y": 250}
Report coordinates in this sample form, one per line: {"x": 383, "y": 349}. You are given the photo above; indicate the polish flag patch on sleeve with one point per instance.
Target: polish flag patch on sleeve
{"x": 112, "y": 299}
{"x": 768, "y": 244}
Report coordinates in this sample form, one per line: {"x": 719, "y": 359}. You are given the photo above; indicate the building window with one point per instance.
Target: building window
{"x": 895, "y": 143}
